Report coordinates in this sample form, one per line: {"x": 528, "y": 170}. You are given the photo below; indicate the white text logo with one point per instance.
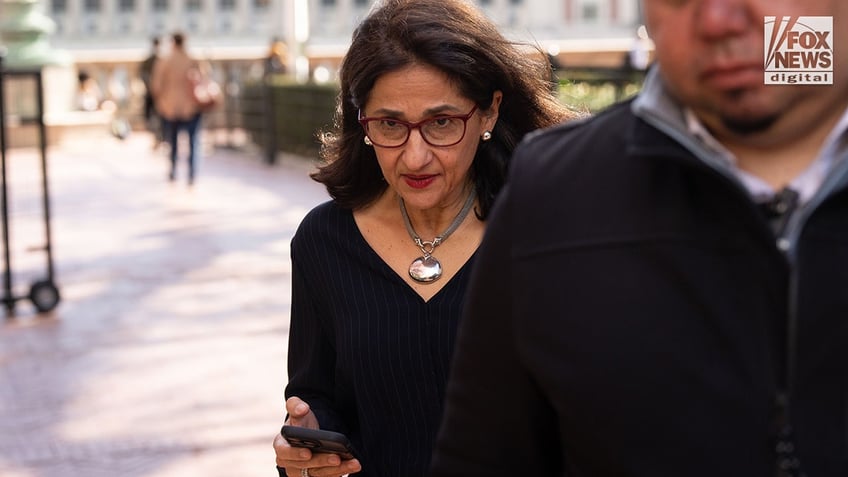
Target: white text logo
{"x": 798, "y": 50}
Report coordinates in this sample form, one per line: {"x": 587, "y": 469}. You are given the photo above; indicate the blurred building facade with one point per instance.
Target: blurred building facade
{"x": 320, "y": 28}
{"x": 108, "y": 39}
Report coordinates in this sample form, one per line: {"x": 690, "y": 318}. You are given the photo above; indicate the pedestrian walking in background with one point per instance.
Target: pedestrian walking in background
{"x": 151, "y": 119}
{"x": 89, "y": 94}
{"x": 173, "y": 80}
{"x": 277, "y": 59}
{"x": 662, "y": 289}
{"x": 433, "y": 100}
{"x": 274, "y": 67}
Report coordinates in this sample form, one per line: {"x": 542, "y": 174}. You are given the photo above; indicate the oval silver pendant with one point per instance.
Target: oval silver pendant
{"x": 425, "y": 269}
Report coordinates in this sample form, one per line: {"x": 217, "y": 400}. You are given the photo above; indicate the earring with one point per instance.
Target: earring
{"x": 486, "y": 136}
{"x": 368, "y": 141}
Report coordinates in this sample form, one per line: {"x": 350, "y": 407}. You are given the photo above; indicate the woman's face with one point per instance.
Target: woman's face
{"x": 426, "y": 176}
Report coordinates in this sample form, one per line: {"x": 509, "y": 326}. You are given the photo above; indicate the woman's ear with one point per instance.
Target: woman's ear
{"x": 490, "y": 116}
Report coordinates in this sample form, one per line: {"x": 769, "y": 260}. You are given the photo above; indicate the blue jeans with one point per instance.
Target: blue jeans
{"x": 171, "y": 130}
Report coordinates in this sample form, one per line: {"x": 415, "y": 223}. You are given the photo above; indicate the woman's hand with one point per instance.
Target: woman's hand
{"x": 299, "y": 413}
{"x": 300, "y": 462}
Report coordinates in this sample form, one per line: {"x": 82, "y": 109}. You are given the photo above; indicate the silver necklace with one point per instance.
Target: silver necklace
{"x": 426, "y": 268}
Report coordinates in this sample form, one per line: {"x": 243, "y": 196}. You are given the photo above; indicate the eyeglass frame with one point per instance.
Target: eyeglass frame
{"x": 363, "y": 121}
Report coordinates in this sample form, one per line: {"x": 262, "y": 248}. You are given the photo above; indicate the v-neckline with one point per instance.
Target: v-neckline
{"x": 389, "y": 270}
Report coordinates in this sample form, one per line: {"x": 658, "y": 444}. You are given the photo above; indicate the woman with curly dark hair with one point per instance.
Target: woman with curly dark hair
{"x": 433, "y": 101}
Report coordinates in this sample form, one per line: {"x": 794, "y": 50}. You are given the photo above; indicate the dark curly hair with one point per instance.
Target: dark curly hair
{"x": 456, "y": 38}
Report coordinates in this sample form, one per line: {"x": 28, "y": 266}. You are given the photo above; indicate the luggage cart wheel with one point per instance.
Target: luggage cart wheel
{"x": 44, "y": 295}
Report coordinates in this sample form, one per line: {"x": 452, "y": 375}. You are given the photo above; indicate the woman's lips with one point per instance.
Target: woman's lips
{"x": 418, "y": 182}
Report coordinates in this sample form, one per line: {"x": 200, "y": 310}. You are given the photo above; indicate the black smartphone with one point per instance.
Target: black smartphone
{"x": 318, "y": 440}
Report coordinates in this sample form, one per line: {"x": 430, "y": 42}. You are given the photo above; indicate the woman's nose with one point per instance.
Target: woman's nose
{"x": 417, "y": 152}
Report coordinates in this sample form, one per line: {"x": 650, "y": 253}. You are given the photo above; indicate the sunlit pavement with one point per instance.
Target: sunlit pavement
{"x": 166, "y": 354}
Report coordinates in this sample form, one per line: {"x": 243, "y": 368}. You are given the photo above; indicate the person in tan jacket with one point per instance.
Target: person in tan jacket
{"x": 172, "y": 81}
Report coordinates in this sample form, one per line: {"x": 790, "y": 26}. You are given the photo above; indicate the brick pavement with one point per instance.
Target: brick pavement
{"x": 166, "y": 355}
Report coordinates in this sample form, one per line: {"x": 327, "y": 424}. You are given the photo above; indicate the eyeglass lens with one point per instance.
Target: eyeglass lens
{"x": 439, "y": 131}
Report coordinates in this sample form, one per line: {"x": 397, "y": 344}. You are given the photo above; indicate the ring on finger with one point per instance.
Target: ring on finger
{"x": 304, "y": 472}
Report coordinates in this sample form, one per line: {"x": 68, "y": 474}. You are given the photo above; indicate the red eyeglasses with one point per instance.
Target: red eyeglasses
{"x": 439, "y": 131}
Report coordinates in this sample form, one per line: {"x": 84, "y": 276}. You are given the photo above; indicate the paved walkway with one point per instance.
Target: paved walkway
{"x": 166, "y": 355}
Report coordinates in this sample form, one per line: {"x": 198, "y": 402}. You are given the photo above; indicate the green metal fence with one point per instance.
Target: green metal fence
{"x": 286, "y": 116}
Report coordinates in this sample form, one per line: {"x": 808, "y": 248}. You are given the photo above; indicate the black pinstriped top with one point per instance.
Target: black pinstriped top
{"x": 367, "y": 353}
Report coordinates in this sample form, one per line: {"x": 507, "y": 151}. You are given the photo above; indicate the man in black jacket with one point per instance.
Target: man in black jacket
{"x": 663, "y": 289}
